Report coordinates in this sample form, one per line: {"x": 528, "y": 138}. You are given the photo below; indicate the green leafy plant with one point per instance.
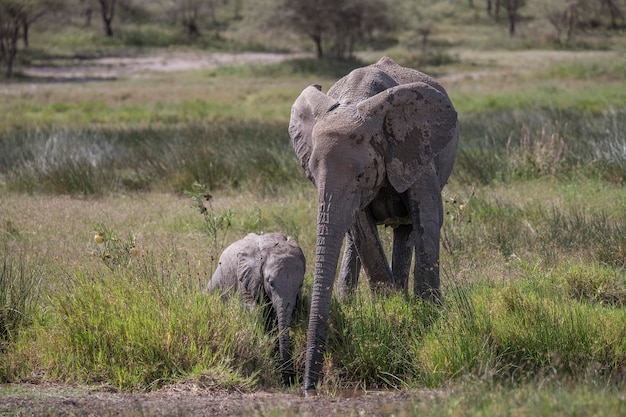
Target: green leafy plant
{"x": 215, "y": 225}
{"x": 112, "y": 249}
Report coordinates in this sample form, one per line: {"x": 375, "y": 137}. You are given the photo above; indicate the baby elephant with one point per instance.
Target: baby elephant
{"x": 266, "y": 268}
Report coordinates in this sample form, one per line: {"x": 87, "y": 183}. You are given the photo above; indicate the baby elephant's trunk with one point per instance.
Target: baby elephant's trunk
{"x": 284, "y": 345}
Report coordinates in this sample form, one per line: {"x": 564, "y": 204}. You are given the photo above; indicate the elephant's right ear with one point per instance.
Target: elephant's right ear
{"x": 308, "y": 108}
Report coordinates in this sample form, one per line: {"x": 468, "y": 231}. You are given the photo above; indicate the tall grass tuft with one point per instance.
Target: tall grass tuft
{"x": 370, "y": 339}
{"x": 526, "y": 331}
{"x": 137, "y": 331}
{"x": 19, "y": 292}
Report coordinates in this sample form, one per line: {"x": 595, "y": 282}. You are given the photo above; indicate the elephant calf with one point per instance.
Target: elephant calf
{"x": 265, "y": 268}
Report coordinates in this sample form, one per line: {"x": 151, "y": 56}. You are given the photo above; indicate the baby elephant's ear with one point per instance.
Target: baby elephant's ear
{"x": 249, "y": 265}
{"x": 418, "y": 121}
{"x": 308, "y": 108}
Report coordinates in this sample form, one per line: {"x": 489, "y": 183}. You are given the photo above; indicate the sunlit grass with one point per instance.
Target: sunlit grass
{"x": 140, "y": 329}
{"x": 560, "y": 258}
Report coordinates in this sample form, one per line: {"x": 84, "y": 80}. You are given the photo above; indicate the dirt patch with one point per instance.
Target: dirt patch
{"x": 190, "y": 400}
{"x": 111, "y": 68}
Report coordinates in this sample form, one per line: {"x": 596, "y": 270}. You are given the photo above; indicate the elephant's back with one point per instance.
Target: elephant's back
{"x": 404, "y": 75}
{"x": 360, "y": 84}
{"x": 363, "y": 83}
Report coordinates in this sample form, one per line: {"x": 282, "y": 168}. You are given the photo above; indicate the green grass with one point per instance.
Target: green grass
{"x": 141, "y": 329}
{"x": 533, "y": 244}
{"x": 533, "y": 290}
{"x": 218, "y": 155}
{"x": 19, "y": 290}
{"x": 502, "y": 146}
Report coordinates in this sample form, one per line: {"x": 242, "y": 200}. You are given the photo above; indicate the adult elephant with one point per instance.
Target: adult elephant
{"x": 266, "y": 269}
{"x": 379, "y": 147}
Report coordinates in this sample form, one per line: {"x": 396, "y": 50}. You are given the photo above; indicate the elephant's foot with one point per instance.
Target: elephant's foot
{"x": 426, "y": 284}
{"x": 289, "y": 378}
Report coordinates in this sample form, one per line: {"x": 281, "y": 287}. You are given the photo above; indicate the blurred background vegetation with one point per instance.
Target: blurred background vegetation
{"x": 31, "y": 30}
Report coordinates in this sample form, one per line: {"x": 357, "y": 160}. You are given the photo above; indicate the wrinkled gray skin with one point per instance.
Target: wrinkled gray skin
{"x": 379, "y": 146}
{"x": 265, "y": 268}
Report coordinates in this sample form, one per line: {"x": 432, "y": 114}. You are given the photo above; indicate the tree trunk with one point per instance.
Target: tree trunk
{"x": 9, "y": 47}
{"x": 25, "y": 27}
{"x": 318, "y": 46}
{"x": 511, "y": 10}
{"x": 108, "y": 10}
{"x": 511, "y": 24}
{"x": 107, "y": 27}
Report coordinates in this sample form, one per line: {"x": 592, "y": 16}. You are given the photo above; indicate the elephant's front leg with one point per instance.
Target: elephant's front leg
{"x": 427, "y": 215}
{"x": 401, "y": 256}
{"x": 370, "y": 250}
{"x": 350, "y": 268}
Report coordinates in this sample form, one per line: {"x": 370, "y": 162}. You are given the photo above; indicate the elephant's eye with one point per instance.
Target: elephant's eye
{"x": 360, "y": 176}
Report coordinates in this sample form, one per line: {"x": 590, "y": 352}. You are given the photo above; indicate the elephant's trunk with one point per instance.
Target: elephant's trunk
{"x": 284, "y": 345}
{"x": 332, "y": 224}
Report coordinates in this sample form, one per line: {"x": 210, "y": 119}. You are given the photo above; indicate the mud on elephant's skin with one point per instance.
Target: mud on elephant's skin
{"x": 379, "y": 147}
{"x": 266, "y": 268}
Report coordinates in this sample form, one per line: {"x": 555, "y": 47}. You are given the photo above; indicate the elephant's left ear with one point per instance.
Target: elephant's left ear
{"x": 249, "y": 265}
{"x": 308, "y": 108}
{"x": 418, "y": 121}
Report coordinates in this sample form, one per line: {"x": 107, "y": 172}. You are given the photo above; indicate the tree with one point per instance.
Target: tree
{"x": 33, "y": 11}
{"x": 421, "y": 18}
{"x": 512, "y": 10}
{"x": 563, "y": 15}
{"x": 191, "y": 12}
{"x": 336, "y": 24}
{"x": 16, "y": 16}
{"x": 107, "y": 10}
{"x": 312, "y": 18}
{"x": 614, "y": 11}
{"x": 11, "y": 20}
{"x": 490, "y": 8}
{"x": 585, "y": 14}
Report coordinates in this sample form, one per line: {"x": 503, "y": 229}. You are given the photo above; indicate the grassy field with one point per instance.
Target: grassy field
{"x": 534, "y": 244}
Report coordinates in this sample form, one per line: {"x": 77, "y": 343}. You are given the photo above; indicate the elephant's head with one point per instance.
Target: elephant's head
{"x": 350, "y": 148}
{"x": 273, "y": 268}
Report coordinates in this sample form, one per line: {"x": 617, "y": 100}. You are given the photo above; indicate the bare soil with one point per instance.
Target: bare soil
{"x": 190, "y": 400}
{"x": 115, "y": 67}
